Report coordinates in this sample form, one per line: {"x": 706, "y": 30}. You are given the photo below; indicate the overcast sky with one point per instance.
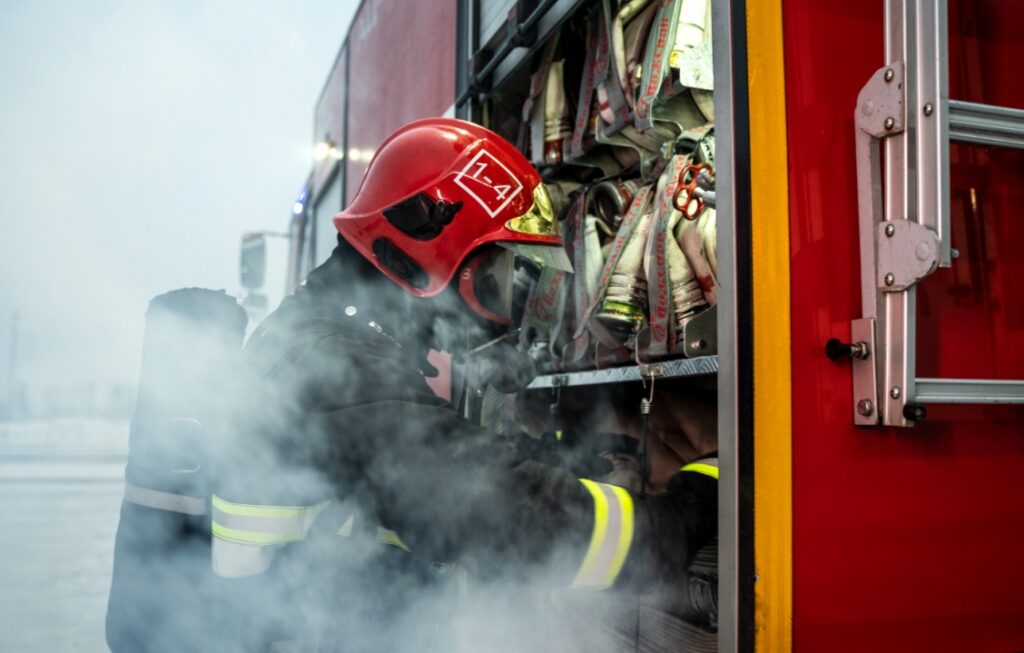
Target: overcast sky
{"x": 138, "y": 140}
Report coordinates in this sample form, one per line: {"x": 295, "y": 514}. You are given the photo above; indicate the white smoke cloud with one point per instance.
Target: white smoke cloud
{"x": 140, "y": 140}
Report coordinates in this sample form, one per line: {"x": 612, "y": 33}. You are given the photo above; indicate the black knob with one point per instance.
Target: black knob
{"x": 914, "y": 411}
{"x": 836, "y": 349}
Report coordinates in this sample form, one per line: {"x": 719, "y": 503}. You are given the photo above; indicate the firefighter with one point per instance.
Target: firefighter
{"x": 338, "y": 433}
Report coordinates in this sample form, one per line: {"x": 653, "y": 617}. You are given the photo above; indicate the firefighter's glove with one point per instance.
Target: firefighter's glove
{"x": 583, "y": 454}
{"x": 502, "y": 366}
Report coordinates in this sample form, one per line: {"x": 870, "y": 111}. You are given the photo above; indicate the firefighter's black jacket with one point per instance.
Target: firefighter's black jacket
{"x": 338, "y": 409}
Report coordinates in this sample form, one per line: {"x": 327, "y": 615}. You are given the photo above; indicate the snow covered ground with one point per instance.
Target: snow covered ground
{"x": 60, "y": 494}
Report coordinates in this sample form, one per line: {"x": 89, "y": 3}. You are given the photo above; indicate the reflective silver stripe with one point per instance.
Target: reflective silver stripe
{"x": 298, "y": 523}
{"x": 611, "y": 538}
{"x": 346, "y": 528}
{"x": 236, "y": 560}
{"x": 262, "y": 525}
{"x": 143, "y": 496}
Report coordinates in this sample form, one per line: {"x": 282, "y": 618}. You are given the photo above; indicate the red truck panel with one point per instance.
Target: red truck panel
{"x": 904, "y": 539}
{"x": 329, "y": 118}
{"x": 403, "y": 68}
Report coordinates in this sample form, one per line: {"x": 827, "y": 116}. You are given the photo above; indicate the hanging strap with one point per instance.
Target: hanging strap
{"x": 622, "y": 236}
{"x": 656, "y": 262}
{"x": 576, "y": 222}
{"x": 611, "y": 101}
{"x": 634, "y": 39}
{"x": 611, "y": 538}
{"x": 691, "y": 242}
{"x": 587, "y": 85}
{"x": 546, "y": 307}
{"x": 537, "y": 82}
{"x": 158, "y": 500}
{"x": 659, "y": 44}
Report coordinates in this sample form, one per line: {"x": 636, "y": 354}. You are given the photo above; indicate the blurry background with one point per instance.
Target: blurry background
{"x": 138, "y": 140}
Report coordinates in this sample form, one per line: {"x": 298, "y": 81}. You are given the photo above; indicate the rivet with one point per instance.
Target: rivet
{"x": 929, "y": 109}
{"x": 954, "y": 253}
{"x": 889, "y": 74}
{"x": 895, "y": 392}
{"x": 865, "y": 407}
{"x": 698, "y": 344}
{"x": 351, "y": 310}
{"x": 890, "y": 279}
{"x": 890, "y": 229}
{"x": 890, "y": 123}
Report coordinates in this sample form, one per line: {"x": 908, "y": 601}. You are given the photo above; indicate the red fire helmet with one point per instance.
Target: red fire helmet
{"x": 439, "y": 189}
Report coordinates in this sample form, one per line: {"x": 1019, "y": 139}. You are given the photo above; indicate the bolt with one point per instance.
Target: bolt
{"x": 954, "y": 253}
{"x": 890, "y": 229}
{"x": 923, "y": 251}
{"x": 890, "y": 123}
{"x": 929, "y": 109}
{"x": 698, "y": 344}
{"x": 865, "y": 407}
{"x": 351, "y": 310}
{"x": 889, "y": 74}
{"x": 890, "y": 279}
{"x": 895, "y": 392}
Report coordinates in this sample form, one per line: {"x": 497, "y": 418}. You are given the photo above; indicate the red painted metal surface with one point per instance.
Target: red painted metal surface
{"x": 329, "y": 118}
{"x": 402, "y": 68}
{"x": 904, "y": 539}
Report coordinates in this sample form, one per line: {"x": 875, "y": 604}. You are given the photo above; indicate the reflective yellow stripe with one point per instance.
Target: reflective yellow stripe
{"x": 701, "y": 468}
{"x": 245, "y": 523}
{"x": 387, "y": 536}
{"x": 252, "y": 510}
{"x": 611, "y": 538}
{"x": 346, "y": 528}
{"x": 255, "y": 537}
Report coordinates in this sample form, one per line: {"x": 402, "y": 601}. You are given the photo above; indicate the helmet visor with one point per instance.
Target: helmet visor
{"x": 540, "y": 219}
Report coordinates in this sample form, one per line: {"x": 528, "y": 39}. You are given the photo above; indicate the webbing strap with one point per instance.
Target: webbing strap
{"x": 657, "y": 260}
{"x": 537, "y": 82}
{"x": 587, "y": 85}
{"x": 611, "y": 101}
{"x": 262, "y": 525}
{"x": 611, "y": 537}
{"x": 149, "y": 498}
{"x": 707, "y": 466}
{"x": 662, "y": 35}
{"x": 576, "y": 223}
{"x": 546, "y": 307}
{"x": 622, "y": 236}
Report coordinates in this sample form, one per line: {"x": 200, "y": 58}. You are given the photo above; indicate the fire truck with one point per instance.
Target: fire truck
{"x": 851, "y": 174}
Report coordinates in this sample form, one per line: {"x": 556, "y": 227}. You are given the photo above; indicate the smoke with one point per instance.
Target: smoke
{"x": 327, "y": 411}
{"x": 140, "y": 140}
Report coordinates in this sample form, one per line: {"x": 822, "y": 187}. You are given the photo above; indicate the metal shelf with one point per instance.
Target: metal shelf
{"x": 670, "y": 369}
{"x": 519, "y": 45}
